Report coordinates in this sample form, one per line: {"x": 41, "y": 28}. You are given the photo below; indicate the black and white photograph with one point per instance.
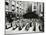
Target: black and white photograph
{"x": 24, "y": 17}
